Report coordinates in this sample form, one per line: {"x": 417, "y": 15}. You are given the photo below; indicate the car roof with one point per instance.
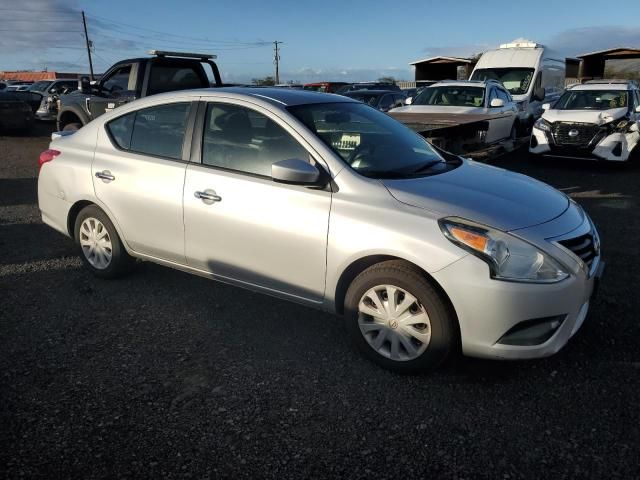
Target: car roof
{"x": 462, "y": 83}
{"x": 281, "y": 97}
{"x": 604, "y": 86}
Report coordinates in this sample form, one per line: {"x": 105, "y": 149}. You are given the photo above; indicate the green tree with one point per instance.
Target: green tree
{"x": 387, "y": 79}
{"x": 268, "y": 81}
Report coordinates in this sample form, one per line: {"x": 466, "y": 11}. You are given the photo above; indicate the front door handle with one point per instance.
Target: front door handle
{"x": 208, "y": 196}
{"x": 105, "y": 176}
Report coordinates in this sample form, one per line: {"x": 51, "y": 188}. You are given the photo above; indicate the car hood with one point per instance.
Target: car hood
{"x": 437, "y": 109}
{"x": 481, "y": 193}
{"x": 598, "y": 117}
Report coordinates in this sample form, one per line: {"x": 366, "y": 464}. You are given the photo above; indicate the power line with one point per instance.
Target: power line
{"x": 166, "y": 34}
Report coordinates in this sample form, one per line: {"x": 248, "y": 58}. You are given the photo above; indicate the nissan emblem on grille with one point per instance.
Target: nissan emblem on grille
{"x": 573, "y": 133}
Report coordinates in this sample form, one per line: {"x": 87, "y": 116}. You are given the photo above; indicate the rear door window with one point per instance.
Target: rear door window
{"x": 157, "y": 131}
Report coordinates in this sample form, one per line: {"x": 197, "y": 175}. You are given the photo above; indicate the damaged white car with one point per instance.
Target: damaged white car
{"x": 598, "y": 120}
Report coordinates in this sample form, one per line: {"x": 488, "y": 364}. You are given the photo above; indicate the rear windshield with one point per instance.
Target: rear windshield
{"x": 592, "y": 100}
{"x": 451, "y": 96}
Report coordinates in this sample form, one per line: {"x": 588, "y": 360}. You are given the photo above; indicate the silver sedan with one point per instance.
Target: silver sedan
{"x": 324, "y": 201}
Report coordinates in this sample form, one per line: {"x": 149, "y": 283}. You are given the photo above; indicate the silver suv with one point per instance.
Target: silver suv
{"x": 325, "y": 201}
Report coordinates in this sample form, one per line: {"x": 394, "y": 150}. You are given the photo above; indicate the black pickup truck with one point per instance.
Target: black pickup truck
{"x": 135, "y": 78}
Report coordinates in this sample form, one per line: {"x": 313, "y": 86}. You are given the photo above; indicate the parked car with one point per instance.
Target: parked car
{"x": 598, "y": 120}
{"x": 326, "y": 87}
{"x": 367, "y": 86}
{"x": 327, "y": 202}
{"x": 469, "y": 98}
{"x": 15, "y": 113}
{"x": 3, "y": 85}
{"x": 383, "y": 100}
{"x": 51, "y": 91}
{"x": 296, "y": 86}
{"x": 532, "y": 73}
{"x": 135, "y": 78}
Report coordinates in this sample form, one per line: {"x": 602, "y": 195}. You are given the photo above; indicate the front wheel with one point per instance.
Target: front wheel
{"x": 72, "y": 127}
{"x": 100, "y": 246}
{"x": 397, "y": 319}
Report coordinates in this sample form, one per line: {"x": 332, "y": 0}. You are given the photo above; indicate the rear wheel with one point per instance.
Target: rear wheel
{"x": 396, "y": 318}
{"x": 100, "y": 246}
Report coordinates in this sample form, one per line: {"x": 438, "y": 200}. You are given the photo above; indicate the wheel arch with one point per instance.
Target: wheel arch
{"x": 77, "y": 207}
{"x": 360, "y": 265}
{"x": 71, "y": 115}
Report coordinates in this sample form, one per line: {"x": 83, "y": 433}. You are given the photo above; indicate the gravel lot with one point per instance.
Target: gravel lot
{"x": 163, "y": 374}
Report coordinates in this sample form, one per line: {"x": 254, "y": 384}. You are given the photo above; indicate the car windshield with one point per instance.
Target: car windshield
{"x": 516, "y": 80}
{"x": 451, "y": 96}
{"x": 364, "y": 97}
{"x": 370, "y": 142}
{"x": 592, "y": 100}
{"x": 40, "y": 86}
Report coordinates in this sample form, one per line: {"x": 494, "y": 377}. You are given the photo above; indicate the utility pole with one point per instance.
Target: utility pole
{"x": 276, "y": 60}
{"x": 86, "y": 38}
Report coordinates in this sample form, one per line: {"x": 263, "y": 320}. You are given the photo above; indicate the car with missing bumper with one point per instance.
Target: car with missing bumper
{"x": 325, "y": 201}
{"x": 598, "y": 120}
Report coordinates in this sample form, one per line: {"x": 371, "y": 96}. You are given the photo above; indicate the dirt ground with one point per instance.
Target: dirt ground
{"x": 163, "y": 374}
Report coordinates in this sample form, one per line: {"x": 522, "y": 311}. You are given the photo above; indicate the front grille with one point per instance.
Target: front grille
{"x": 584, "y": 135}
{"x": 583, "y": 246}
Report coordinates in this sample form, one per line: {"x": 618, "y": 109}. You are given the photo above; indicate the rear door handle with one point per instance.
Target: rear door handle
{"x": 105, "y": 176}
{"x": 208, "y": 196}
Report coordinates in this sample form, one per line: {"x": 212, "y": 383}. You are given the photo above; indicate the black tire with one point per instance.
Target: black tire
{"x": 121, "y": 262}
{"x": 72, "y": 127}
{"x": 444, "y": 330}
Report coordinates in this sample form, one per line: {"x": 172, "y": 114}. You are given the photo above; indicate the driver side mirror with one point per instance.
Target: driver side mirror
{"x": 84, "y": 85}
{"x": 638, "y": 109}
{"x": 496, "y": 103}
{"x": 295, "y": 171}
{"x": 546, "y": 106}
{"x": 539, "y": 94}
{"x": 408, "y": 100}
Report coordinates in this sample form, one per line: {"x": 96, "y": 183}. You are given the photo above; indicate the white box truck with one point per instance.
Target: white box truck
{"x": 533, "y": 74}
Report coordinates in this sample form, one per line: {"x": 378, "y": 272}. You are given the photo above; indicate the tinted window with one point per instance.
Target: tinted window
{"x": 166, "y": 78}
{"x": 160, "y": 130}
{"x": 121, "y": 129}
{"x": 236, "y": 138}
{"x": 119, "y": 80}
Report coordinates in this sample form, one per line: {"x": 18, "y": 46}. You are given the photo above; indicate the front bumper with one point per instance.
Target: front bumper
{"x": 488, "y": 309}
{"x": 614, "y": 147}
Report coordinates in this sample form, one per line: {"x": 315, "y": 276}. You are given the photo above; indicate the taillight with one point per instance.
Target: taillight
{"x": 47, "y": 156}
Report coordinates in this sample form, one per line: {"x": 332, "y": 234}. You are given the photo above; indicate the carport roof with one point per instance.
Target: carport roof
{"x": 613, "y": 52}
{"x": 441, "y": 59}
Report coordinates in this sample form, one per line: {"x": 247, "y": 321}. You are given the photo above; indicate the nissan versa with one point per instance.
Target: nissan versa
{"x": 325, "y": 201}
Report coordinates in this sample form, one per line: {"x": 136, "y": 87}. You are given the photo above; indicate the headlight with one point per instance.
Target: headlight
{"x": 542, "y": 124}
{"x": 509, "y": 258}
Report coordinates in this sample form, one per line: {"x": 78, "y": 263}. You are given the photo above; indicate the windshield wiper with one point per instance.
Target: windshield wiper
{"x": 426, "y": 166}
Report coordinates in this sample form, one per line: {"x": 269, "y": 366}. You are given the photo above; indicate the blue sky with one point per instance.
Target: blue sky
{"x": 329, "y": 39}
